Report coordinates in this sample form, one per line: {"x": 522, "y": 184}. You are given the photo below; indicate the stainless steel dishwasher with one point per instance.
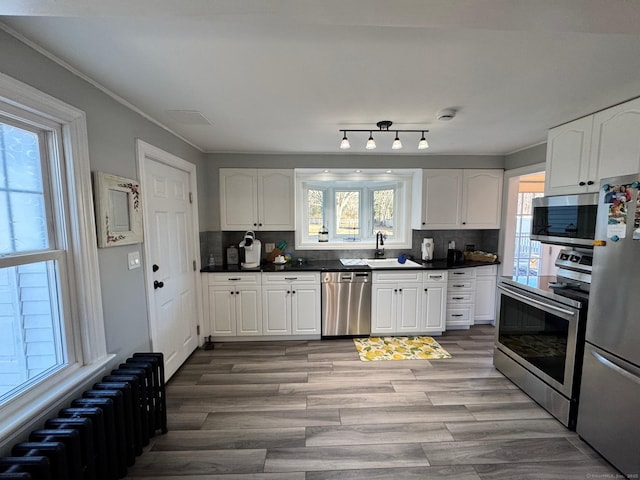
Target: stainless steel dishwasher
{"x": 346, "y": 303}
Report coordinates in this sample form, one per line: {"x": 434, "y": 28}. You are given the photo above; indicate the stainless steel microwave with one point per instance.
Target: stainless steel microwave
{"x": 565, "y": 219}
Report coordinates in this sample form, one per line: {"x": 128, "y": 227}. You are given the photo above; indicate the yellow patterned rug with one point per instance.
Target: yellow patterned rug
{"x": 399, "y": 348}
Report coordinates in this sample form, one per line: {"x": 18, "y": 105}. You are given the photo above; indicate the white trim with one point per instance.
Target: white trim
{"x": 144, "y": 150}
{"x": 83, "y": 272}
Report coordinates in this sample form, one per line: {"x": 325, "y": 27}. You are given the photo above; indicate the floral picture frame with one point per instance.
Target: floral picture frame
{"x": 118, "y": 210}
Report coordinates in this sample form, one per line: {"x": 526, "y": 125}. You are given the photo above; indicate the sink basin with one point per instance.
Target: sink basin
{"x": 390, "y": 263}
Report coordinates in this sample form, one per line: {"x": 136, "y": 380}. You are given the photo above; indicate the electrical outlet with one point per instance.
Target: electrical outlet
{"x": 268, "y": 247}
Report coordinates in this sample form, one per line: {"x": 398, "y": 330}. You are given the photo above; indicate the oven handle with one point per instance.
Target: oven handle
{"x": 537, "y": 302}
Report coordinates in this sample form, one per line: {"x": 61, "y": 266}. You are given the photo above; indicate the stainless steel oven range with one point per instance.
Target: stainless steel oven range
{"x": 541, "y": 331}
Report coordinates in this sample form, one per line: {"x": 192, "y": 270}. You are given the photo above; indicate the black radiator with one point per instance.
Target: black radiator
{"x": 100, "y": 434}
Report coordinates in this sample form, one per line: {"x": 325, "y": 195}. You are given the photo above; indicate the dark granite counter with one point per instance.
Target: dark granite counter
{"x": 336, "y": 266}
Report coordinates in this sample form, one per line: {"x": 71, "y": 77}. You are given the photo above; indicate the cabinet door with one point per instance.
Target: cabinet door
{"x": 305, "y": 309}
{"x": 615, "y": 144}
{"x": 222, "y": 310}
{"x": 248, "y": 311}
{"x": 409, "y": 307}
{"x": 275, "y": 199}
{"x": 568, "y": 148}
{"x": 383, "y": 308}
{"x": 276, "y": 310}
{"x": 238, "y": 199}
{"x": 481, "y": 198}
{"x": 485, "y": 306}
{"x": 433, "y": 307}
{"x": 441, "y": 198}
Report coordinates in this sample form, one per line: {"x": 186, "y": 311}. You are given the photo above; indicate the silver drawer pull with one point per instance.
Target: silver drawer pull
{"x": 234, "y": 279}
{"x": 457, "y": 315}
{"x": 290, "y": 278}
{"x": 457, "y": 298}
{"x": 458, "y": 286}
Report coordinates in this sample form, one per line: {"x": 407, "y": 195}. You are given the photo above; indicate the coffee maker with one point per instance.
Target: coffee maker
{"x": 427, "y": 249}
{"x": 252, "y": 249}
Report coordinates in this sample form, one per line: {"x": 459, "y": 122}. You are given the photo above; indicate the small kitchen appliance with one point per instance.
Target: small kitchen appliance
{"x": 454, "y": 257}
{"x": 427, "y": 249}
{"x": 252, "y": 248}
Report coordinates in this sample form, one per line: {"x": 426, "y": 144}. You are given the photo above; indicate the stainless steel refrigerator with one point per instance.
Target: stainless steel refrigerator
{"x": 610, "y": 389}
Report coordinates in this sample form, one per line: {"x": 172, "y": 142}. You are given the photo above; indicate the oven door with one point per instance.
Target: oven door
{"x": 540, "y": 334}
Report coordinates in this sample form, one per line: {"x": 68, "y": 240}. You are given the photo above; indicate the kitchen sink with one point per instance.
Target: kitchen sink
{"x": 390, "y": 263}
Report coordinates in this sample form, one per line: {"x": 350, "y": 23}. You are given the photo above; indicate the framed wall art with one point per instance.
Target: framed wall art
{"x": 118, "y": 210}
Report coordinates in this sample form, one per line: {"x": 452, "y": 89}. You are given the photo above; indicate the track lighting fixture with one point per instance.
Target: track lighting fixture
{"x": 344, "y": 144}
{"x": 383, "y": 127}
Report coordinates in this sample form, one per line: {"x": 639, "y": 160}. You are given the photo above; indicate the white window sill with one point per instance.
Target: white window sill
{"x": 30, "y": 410}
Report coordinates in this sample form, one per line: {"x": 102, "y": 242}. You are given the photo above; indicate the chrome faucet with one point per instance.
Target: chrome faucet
{"x": 379, "y": 253}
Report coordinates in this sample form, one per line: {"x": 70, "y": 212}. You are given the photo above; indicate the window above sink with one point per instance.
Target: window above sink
{"x": 353, "y": 206}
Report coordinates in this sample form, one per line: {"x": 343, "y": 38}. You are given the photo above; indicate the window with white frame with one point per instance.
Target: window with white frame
{"x": 51, "y": 326}
{"x": 352, "y": 208}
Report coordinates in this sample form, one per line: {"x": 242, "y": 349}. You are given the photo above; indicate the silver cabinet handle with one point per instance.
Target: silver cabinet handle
{"x": 537, "y": 302}
{"x": 608, "y": 363}
{"x": 290, "y": 278}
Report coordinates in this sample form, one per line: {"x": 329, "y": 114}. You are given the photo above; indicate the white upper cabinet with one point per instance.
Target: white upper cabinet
{"x": 568, "y": 158}
{"x": 459, "y": 199}
{"x": 441, "y": 191}
{"x": 615, "y": 143}
{"x": 481, "y": 198}
{"x": 256, "y": 199}
{"x": 582, "y": 152}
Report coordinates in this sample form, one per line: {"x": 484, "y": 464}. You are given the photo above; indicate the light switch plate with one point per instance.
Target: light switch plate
{"x": 134, "y": 260}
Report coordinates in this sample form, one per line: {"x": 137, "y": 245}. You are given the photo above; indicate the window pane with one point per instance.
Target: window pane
{"x": 31, "y": 339}
{"x": 316, "y": 211}
{"x": 383, "y": 212}
{"x": 23, "y": 225}
{"x": 348, "y": 214}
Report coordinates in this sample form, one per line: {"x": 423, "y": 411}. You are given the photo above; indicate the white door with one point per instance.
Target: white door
{"x": 170, "y": 254}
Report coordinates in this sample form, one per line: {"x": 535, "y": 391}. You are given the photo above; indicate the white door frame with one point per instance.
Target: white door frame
{"x": 145, "y": 150}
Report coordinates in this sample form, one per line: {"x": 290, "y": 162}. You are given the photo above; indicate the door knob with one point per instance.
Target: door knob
{"x": 157, "y": 284}
{"x": 155, "y": 267}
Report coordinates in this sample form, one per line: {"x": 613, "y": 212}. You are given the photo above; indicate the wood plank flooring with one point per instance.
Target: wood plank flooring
{"x": 311, "y": 410}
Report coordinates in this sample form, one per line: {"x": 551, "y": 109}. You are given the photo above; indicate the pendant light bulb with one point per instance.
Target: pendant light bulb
{"x": 422, "y": 144}
{"x": 344, "y": 144}
{"x": 397, "y": 144}
{"x": 371, "y": 143}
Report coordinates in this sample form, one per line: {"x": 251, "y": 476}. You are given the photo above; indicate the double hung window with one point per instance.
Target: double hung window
{"x": 51, "y": 326}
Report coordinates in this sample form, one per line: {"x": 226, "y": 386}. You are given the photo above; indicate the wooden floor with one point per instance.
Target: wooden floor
{"x": 312, "y": 410}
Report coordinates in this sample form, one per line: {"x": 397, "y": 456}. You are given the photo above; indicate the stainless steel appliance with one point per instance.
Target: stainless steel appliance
{"x": 610, "y": 392}
{"x": 346, "y": 303}
{"x": 565, "y": 219}
{"x": 540, "y": 333}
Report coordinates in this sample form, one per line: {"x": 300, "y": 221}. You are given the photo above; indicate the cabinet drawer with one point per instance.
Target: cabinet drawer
{"x": 234, "y": 278}
{"x": 462, "y": 273}
{"x": 459, "y": 315}
{"x": 460, "y": 297}
{"x": 435, "y": 277}
{"x": 395, "y": 277}
{"x": 461, "y": 284}
{"x": 286, "y": 278}
{"x": 487, "y": 270}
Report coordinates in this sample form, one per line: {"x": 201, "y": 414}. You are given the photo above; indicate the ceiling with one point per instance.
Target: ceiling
{"x": 284, "y": 76}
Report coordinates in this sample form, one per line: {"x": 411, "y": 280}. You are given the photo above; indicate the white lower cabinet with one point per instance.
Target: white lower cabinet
{"x": 461, "y": 289}
{"x": 410, "y": 302}
{"x": 234, "y": 305}
{"x": 291, "y": 303}
{"x": 434, "y": 303}
{"x": 485, "y": 306}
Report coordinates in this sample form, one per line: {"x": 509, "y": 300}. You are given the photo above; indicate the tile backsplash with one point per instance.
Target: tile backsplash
{"x": 216, "y": 242}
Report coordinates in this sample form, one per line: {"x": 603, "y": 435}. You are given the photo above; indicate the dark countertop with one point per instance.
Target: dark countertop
{"x": 336, "y": 266}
